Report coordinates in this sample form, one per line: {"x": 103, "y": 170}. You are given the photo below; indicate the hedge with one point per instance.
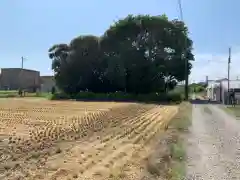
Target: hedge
{"x": 120, "y": 96}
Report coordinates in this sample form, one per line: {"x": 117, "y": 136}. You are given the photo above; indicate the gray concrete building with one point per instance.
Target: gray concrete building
{"x": 15, "y": 78}
{"x": 47, "y": 82}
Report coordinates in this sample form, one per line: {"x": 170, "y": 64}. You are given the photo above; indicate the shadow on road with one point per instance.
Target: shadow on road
{"x": 204, "y": 102}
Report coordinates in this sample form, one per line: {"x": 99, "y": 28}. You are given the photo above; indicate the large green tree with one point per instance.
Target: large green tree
{"x": 78, "y": 65}
{"x": 138, "y": 54}
{"x": 152, "y": 49}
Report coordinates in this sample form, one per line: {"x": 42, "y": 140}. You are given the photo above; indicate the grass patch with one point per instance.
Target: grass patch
{"x": 5, "y": 94}
{"x": 8, "y": 92}
{"x": 182, "y": 120}
{"x": 14, "y": 94}
{"x": 177, "y": 129}
{"x": 178, "y": 171}
{"x": 167, "y": 161}
{"x": 177, "y": 151}
{"x": 232, "y": 110}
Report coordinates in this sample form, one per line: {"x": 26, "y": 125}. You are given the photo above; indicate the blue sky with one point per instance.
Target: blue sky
{"x": 29, "y": 28}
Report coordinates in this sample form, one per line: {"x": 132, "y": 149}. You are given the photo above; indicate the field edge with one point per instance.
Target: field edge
{"x": 169, "y": 158}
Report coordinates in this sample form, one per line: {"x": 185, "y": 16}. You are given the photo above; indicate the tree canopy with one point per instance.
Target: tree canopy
{"x": 138, "y": 54}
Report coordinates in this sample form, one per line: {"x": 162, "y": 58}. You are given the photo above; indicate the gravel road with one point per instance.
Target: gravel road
{"x": 213, "y": 147}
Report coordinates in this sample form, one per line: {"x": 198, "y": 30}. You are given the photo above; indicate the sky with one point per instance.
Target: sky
{"x": 29, "y": 28}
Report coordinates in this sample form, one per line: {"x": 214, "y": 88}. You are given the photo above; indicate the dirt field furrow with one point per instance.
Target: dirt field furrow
{"x": 100, "y": 149}
{"x": 77, "y": 140}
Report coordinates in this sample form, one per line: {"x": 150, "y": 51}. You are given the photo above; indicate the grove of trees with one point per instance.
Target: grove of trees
{"x": 138, "y": 54}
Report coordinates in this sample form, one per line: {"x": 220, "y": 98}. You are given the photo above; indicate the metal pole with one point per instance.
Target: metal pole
{"x": 186, "y": 60}
{"x": 180, "y": 9}
{"x": 229, "y": 61}
{"x": 22, "y": 62}
{"x": 21, "y": 72}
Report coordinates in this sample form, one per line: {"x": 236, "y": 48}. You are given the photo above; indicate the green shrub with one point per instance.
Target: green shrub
{"x": 60, "y": 96}
{"x": 175, "y": 97}
{"x": 120, "y": 96}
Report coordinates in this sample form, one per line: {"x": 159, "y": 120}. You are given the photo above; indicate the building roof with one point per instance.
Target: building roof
{"x": 18, "y": 69}
{"x": 220, "y": 80}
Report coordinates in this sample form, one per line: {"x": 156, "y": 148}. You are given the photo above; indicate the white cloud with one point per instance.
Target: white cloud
{"x": 215, "y": 66}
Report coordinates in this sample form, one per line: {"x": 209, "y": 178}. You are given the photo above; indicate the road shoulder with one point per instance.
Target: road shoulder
{"x": 212, "y": 132}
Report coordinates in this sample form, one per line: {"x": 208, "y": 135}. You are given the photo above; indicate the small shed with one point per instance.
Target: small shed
{"x": 47, "y": 82}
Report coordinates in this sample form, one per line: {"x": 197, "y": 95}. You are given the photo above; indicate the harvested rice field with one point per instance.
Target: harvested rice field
{"x": 41, "y": 139}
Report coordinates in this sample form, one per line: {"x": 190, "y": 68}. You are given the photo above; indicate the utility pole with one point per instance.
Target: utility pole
{"x": 21, "y": 72}
{"x": 22, "y": 59}
{"x": 206, "y": 80}
{"x": 186, "y": 60}
{"x": 229, "y": 61}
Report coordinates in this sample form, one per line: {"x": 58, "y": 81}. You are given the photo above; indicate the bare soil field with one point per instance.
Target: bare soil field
{"x": 41, "y": 139}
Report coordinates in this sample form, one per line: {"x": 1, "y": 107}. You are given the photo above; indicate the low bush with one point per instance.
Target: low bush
{"x": 59, "y": 96}
{"x": 120, "y": 96}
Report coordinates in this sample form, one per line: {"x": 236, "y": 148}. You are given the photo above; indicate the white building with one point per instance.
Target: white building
{"x": 218, "y": 90}
{"x": 213, "y": 91}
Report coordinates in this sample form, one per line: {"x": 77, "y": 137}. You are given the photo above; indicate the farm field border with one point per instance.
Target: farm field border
{"x": 99, "y": 144}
